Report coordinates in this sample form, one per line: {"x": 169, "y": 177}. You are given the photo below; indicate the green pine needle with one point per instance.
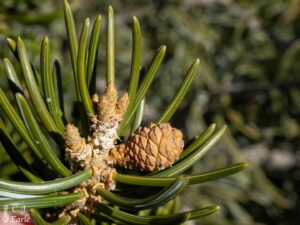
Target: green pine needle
{"x": 40, "y": 139}
{"x": 177, "y": 99}
{"x": 93, "y": 50}
{"x": 136, "y": 58}
{"x": 46, "y": 187}
{"x": 193, "y": 179}
{"x": 40, "y": 202}
{"x": 149, "y": 202}
{"x": 18, "y": 123}
{"x": 49, "y": 86}
{"x": 110, "y": 47}
{"x": 82, "y": 70}
{"x": 34, "y": 90}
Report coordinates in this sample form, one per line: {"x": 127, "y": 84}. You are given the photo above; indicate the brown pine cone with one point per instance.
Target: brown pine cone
{"x": 153, "y": 147}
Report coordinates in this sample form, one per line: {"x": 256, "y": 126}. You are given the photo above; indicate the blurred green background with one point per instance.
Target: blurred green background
{"x": 249, "y": 79}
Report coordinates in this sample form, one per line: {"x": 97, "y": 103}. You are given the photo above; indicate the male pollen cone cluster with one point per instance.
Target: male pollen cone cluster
{"x": 93, "y": 152}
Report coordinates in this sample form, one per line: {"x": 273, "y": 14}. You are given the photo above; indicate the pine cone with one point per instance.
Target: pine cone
{"x": 153, "y": 147}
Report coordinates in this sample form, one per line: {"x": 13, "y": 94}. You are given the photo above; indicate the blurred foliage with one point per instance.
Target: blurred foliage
{"x": 249, "y": 79}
